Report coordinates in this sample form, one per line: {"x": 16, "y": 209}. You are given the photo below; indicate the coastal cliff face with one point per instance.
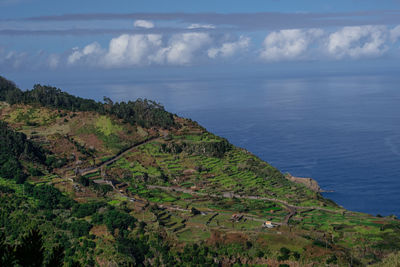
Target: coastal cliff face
{"x": 308, "y": 182}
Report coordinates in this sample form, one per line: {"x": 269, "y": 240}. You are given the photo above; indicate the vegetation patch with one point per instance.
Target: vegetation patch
{"x": 106, "y": 126}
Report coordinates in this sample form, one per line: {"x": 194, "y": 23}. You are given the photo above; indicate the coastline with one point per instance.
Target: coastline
{"x": 308, "y": 182}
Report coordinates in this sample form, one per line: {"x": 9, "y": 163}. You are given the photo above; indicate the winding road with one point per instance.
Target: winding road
{"x": 291, "y": 208}
{"x": 116, "y": 157}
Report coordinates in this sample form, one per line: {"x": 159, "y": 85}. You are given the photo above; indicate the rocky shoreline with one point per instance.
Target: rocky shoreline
{"x": 308, "y": 182}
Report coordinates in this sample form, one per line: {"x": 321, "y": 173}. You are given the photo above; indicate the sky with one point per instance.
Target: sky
{"x": 176, "y": 37}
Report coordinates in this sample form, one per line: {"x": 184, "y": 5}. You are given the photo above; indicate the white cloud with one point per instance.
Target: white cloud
{"x": 127, "y": 50}
{"x": 395, "y": 34}
{"x": 358, "y": 41}
{"x": 143, "y": 24}
{"x": 53, "y": 60}
{"x": 147, "y": 49}
{"x": 75, "y": 55}
{"x": 90, "y": 51}
{"x": 201, "y": 26}
{"x": 13, "y": 59}
{"x": 143, "y": 49}
{"x": 288, "y": 44}
{"x": 229, "y": 48}
{"x": 182, "y": 47}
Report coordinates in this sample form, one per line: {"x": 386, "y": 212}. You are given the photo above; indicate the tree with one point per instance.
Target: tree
{"x": 57, "y": 257}
{"x": 7, "y": 255}
{"x": 114, "y": 219}
{"x": 108, "y": 101}
{"x": 30, "y": 252}
{"x": 145, "y": 113}
{"x": 135, "y": 248}
{"x": 285, "y": 254}
{"x": 15, "y": 147}
{"x": 80, "y": 228}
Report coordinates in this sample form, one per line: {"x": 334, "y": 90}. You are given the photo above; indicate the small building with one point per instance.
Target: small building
{"x": 193, "y": 188}
{"x": 268, "y": 224}
{"x": 121, "y": 186}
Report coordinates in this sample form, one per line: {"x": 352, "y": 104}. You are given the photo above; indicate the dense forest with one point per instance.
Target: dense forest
{"x": 50, "y": 240}
{"x": 145, "y": 113}
{"x": 14, "y": 147}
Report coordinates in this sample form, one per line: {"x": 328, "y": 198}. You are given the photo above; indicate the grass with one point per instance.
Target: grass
{"x": 91, "y": 175}
{"x": 113, "y": 136}
{"x": 197, "y": 138}
{"x": 234, "y": 172}
{"x": 107, "y": 127}
{"x": 193, "y": 235}
{"x": 160, "y": 197}
{"x": 12, "y": 184}
{"x": 114, "y": 202}
{"x": 185, "y": 196}
{"x": 136, "y": 168}
{"x": 31, "y": 116}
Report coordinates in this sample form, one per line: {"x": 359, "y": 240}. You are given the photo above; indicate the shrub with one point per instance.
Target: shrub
{"x": 49, "y": 197}
{"x": 285, "y": 254}
{"x": 80, "y": 228}
{"x": 86, "y": 209}
{"x": 114, "y": 219}
{"x": 332, "y": 259}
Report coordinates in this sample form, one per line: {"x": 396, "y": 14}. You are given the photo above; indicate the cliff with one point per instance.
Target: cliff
{"x": 308, "y": 182}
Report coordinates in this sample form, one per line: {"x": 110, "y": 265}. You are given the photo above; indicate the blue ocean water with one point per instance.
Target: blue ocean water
{"x": 343, "y": 131}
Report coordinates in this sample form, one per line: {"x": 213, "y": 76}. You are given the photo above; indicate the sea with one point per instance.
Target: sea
{"x": 341, "y": 130}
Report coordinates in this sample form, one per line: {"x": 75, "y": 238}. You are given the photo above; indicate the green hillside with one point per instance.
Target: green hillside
{"x": 121, "y": 184}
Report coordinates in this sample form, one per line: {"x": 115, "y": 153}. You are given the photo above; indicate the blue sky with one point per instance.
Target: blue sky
{"x": 24, "y": 8}
{"x": 56, "y": 37}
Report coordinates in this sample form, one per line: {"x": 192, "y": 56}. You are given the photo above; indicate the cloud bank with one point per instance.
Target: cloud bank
{"x": 350, "y": 42}
{"x": 228, "y": 49}
{"x": 288, "y": 44}
{"x": 143, "y": 50}
{"x": 358, "y": 41}
{"x": 203, "y": 47}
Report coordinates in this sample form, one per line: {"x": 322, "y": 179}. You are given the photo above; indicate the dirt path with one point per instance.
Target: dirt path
{"x": 116, "y": 157}
{"x": 292, "y": 212}
{"x": 291, "y": 208}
